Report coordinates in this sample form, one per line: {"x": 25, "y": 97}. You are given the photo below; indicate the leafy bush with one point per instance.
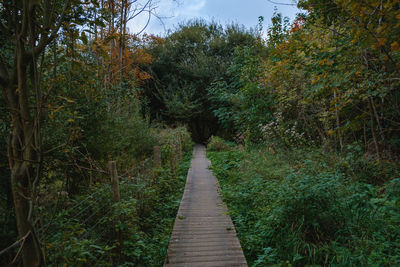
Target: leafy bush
{"x": 279, "y": 131}
{"x": 82, "y": 232}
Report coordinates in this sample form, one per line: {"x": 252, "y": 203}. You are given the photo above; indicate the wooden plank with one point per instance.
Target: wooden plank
{"x": 203, "y": 234}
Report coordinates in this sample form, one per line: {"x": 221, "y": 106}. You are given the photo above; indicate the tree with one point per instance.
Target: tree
{"x": 27, "y": 27}
{"x": 189, "y": 61}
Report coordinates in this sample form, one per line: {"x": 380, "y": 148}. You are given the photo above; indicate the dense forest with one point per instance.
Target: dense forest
{"x": 301, "y": 120}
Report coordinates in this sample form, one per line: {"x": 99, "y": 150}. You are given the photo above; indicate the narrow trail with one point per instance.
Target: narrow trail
{"x": 203, "y": 233}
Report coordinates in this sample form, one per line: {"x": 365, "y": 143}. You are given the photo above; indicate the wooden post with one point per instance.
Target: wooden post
{"x": 172, "y": 157}
{"x": 116, "y": 197}
{"x": 157, "y": 157}
{"x": 114, "y": 181}
{"x": 179, "y": 149}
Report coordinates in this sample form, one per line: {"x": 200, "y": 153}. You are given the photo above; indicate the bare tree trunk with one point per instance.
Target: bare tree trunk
{"x": 22, "y": 157}
{"x": 112, "y": 45}
{"x": 338, "y": 120}
{"x": 121, "y": 39}
{"x": 335, "y": 100}
{"x": 102, "y": 28}
{"x": 378, "y": 121}
{"x": 374, "y": 134}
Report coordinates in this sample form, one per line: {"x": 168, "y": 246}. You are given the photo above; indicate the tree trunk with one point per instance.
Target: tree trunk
{"x": 121, "y": 40}
{"x": 338, "y": 120}
{"x": 374, "y": 134}
{"x": 22, "y": 156}
{"x": 30, "y": 32}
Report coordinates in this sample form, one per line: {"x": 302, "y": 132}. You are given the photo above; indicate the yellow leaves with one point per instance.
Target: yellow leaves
{"x": 331, "y": 132}
{"x": 323, "y": 61}
{"x": 316, "y": 80}
{"x": 395, "y": 46}
{"x": 57, "y": 109}
{"x": 69, "y": 100}
{"x": 382, "y": 28}
{"x": 53, "y": 112}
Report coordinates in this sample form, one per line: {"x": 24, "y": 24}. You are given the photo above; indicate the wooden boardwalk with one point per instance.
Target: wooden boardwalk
{"x": 203, "y": 233}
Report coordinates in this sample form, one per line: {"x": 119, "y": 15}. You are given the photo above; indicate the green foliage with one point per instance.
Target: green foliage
{"x": 191, "y": 62}
{"x": 237, "y": 100}
{"x": 297, "y": 207}
{"x": 218, "y": 144}
{"x": 328, "y": 78}
{"x": 83, "y": 232}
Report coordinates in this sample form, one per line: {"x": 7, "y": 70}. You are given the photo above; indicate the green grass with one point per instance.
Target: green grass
{"x": 308, "y": 207}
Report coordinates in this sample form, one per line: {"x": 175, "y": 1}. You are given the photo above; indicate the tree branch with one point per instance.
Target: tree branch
{"x": 281, "y": 4}
{"x": 25, "y": 19}
{"x": 135, "y": 14}
{"x": 49, "y": 34}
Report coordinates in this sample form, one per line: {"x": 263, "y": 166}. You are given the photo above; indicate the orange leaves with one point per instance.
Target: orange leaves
{"x": 381, "y": 41}
{"x": 124, "y": 57}
{"x": 297, "y": 25}
{"x": 139, "y": 58}
{"x": 100, "y": 48}
{"x": 140, "y": 76}
{"x": 142, "y": 57}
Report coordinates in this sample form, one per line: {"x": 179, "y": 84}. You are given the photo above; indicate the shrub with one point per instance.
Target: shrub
{"x": 218, "y": 144}
{"x": 78, "y": 229}
{"x": 302, "y": 208}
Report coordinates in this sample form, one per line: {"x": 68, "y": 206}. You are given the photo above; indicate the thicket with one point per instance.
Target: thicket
{"x": 306, "y": 207}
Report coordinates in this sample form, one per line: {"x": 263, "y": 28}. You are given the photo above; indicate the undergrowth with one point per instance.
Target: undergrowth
{"x": 306, "y": 207}
{"x": 89, "y": 229}
{"x": 146, "y": 213}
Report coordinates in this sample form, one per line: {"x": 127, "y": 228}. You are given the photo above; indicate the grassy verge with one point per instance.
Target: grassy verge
{"x": 307, "y": 207}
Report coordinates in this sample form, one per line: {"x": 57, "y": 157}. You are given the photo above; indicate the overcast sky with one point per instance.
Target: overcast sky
{"x": 222, "y": 11}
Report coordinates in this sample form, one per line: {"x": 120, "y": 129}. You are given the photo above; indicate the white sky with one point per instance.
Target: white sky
{"x": 222, "y": 11}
